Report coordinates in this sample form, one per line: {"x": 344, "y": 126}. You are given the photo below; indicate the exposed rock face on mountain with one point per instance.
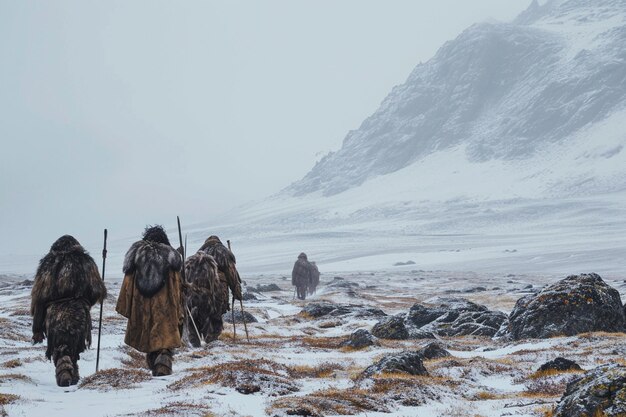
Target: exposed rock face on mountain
{"x": 600, "y": 392}
{"x": 576, "y": 304}
{"x": 501, "y": 90}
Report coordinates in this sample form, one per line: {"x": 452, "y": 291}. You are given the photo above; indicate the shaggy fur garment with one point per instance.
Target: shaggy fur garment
{"x": 205, "y": 297}
{"x": 151, "y": 262}
{"x": 226, "y": 263}
{"x": 67, "y": 284}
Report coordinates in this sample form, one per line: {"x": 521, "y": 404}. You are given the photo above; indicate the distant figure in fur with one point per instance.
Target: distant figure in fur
{"x": 151, "y": 298}
{"x": 205, "y": 298}
{"x": 228, "y": 279}
{"x": 67, "y": 285}
{"x": 301, "y": 275}
{"x": 315, "y": 278}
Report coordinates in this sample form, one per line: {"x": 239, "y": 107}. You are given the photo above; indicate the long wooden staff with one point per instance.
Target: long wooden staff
{"x": 243, "y": 314}
{"x": 104, "y": 261}
{"x": 184, "y": 249}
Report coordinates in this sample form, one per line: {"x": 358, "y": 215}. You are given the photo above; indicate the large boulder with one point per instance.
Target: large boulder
{"x": 239, "y": 317}
{"x": 455, "y": 317}
{"x": 433, "y": 351}
{"x": 577, "y": 304}
{"x": 406, "y": 363}
{"x": 391, "y": 328}
{"x": 599, "y": 392}
{"x": 559, "y": 365}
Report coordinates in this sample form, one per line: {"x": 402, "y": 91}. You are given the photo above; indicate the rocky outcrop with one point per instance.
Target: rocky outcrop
{"x": 391, "y": 328}
{"x": 406, "y": 363}
{"x": 318, "y": 310}
{"x": 360, "y": 339}
{"x": 577, "y": 304}
{"x": 599, "y": 392}
{"x": 267, "y": 288}
{"x": 455, "y": 317}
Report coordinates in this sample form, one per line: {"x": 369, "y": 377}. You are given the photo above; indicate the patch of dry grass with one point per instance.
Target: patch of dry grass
{"x": 8, "y": 398}
{"x": 180, "y": 408}
{"x": 322, "y": 342}
{"x": 14, "y": 378}
{"x": 553, "y": 372}
{"x": 324, "y": 370}
{"x": 329, "y": 402}
{"x": 11, "y": 364}
{"x": 115, "y": 378}
{"x": 246, "y": 376}
{"x": 135, "y": 359}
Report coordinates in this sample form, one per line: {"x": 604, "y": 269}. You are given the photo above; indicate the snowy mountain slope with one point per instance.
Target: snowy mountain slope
{"x": 503, "y": 91}
{"x": 505, "y": 152}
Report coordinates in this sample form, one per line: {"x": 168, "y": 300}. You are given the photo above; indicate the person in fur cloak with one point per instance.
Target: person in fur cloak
{"x": 151, "y": 298}
{"x": 315, "y": 278}
{"x": 301, "y": 275}
{"x": 205, "y": 298}
{"x": 67, "y": 284}
{"x": 228, "y": 276}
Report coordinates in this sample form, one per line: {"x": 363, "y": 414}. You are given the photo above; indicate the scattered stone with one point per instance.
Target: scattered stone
{"x": 559, "y": 364}
{"x": 343, "y": 284}
{"x": 360, "y": 339}
{"x": 268, "y": 288}
{"x": 391, "y": 328}
{"x": 317, "y": 310}
{"x": 577, "y": 304}
{"x": 249, "y": 296}
{"x": 404, "y": 263}
{"x": 599, "y": 392}
{"x": 475, "y": 289}
{"x": 239, "y": 317}
{"x": 434, "y": 351}
{"x": 406, "y": 362}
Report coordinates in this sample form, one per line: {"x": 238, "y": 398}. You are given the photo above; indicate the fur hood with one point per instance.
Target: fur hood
{"x": 151, "y": 263}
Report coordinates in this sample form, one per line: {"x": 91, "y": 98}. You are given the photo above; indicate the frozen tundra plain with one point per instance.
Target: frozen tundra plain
{"x": 292, "y": 358}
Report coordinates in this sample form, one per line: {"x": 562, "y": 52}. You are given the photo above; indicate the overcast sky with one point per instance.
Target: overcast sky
{"x": 124, "y": 113}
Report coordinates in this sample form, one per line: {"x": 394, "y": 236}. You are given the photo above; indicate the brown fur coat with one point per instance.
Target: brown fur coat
{"x": 153, "y": 321}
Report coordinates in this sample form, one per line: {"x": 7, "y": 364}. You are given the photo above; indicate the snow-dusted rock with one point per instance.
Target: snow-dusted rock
{"x": 406, "y": 362}
{"x": 559, "y": 364}
{"x": 391, "y": 328}
{"x": 433, "y": 351}
{"x": 455, "y": 317}
{"x": 601, "y": 391}
{"x": 576, "y": 304}
{"x": 317, "y": 310}
{"x": 360, "y": 339}
{"x": 239, "y": 317}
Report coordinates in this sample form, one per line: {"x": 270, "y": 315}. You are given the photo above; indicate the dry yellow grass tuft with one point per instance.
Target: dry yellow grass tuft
{"x": 324, "y": 370}
{"x": 8, "y": 398}
{"x": 553, "y": 372}
{"x": 329, "y": 402}
{"x": 545, "y": 411}
{"x": 180, "y": 408}
{"x": 115, "y": 378}
{"x": 15, "y": 377}
{"x": 11, "y": 364}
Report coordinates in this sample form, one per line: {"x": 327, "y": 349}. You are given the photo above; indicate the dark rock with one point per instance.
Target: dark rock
{"x": 268, "y": 288}
{"x": 391, "y": 328}
{"x": 599, "y": 392}
{"x": 577, "y": 304}
{"x": 419, "y": 334}
{"x": 317, "y": 310}
{"x": 434, "y": 351}
{"x": 343, "y": 284}
{"x": 249, "y": 296}
{"x": 475, "y": 289}
{"x": 405, "y": 362}
{"x": 228, "y": 318}
{"x": 26, "y": 283}
{"x": 360, "y": 339}
{"x": 559, "y": 364}
{"x": 404, "y": 263}
{"x": 455, "y": 317}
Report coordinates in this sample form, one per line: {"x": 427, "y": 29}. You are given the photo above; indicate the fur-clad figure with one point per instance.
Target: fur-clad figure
{"x": 227, "y": 268}
{"x": 205, "y": 298}
{"x": 315, "y": 278}
{"x": 67, "y": 285}
{"x": 151, "y": 299}
{"x": 301, "y": 275}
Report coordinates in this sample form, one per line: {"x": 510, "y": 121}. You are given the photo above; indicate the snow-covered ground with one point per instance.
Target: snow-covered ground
{"x": 482, "y": 378}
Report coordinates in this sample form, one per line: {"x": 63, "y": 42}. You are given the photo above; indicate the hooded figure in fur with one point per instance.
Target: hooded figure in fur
{"x": 67, "y": 285}
{"x": 151, "y": 299}
{"x": 226, "y": 268}
{"x": 205, "y": 298}
{"x": 301, "y": 275}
